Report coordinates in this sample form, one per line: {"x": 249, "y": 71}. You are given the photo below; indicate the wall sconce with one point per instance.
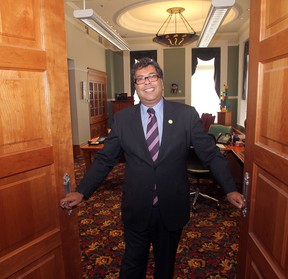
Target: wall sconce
{"x": 83, "y": 89}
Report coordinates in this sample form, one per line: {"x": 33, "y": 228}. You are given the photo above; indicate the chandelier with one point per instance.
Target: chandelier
{"x": 175, "y": 39}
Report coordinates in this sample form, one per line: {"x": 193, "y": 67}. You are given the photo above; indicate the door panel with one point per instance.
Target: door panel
{"x": 24, "y": 106}
{"x": 20, "y": 23}
{"x": 37, "y": 238}
{"x": 264, "y": 232}
{"x": 270, "y": 200}
{"x": 42, "y": 267}
{"x": 27, "y": 190}
{"x": 273, "y": 18}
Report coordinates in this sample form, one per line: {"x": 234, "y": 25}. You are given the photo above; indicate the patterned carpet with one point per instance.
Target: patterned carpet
{"x": 208, "y": 248}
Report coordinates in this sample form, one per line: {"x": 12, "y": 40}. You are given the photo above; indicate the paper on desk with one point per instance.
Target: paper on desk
{"x": 241, "y": 137}
{"x": 221, "y": 146}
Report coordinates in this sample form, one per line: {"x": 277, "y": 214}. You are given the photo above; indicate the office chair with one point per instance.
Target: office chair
{"x": 196, "y": 170}
{"x": 207, "y": 119}
{"x": 221, "y": 133}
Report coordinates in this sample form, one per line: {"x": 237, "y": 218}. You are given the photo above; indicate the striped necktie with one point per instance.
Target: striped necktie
{"x": 152, "y": 134}
{"x": 152, "y": 138}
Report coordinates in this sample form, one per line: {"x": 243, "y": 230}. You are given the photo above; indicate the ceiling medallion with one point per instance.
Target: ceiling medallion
{"x": 175, "y": 39}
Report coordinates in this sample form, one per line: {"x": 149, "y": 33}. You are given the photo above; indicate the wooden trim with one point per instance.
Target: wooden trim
{"x": 36, "y": 249}
{"x": 33, "y": 159}
{"x": 29, "y": 58}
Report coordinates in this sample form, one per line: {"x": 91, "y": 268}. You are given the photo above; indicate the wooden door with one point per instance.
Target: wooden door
{"x": 98, "y": 103}
{"x": 37, "y": 238}
{"x": 264, "y": 232}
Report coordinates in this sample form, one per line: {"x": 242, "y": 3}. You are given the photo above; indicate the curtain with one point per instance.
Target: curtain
{"x": 208, "y": 54}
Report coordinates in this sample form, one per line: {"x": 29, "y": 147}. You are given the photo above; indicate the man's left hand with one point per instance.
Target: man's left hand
{"x": 236, "y": 199}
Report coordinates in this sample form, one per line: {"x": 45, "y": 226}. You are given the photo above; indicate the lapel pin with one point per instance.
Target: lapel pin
{"x": 170, "y": 121}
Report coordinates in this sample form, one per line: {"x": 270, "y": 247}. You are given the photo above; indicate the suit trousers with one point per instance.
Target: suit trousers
{"x": 164, "y": 243}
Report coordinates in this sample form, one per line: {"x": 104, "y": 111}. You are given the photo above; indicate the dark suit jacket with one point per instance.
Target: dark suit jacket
{"x": 182, "y": 128}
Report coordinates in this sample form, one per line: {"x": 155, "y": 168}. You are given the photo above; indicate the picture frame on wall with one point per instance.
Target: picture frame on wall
{"x": 174, "y": 88}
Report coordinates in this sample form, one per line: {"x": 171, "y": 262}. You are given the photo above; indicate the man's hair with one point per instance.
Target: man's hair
{"x": 143, "y": 63}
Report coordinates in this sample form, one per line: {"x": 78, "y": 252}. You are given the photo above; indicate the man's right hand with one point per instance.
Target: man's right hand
{"x": 71, "y": 199}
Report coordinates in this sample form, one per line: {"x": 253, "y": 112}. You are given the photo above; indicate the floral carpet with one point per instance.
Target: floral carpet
{"x": 208, "y": 247}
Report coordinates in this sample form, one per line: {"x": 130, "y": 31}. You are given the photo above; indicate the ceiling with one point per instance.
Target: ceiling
{"x": 135, "y": 19}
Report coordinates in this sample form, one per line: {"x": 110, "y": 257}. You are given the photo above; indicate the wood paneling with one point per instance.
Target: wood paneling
{"x": 264, "y": 232}
{"x": 121, "y": 104}
{"x": 23, "y": 58}
{"x": 21, "y": 26}
{"x": 37, "y": 238}
{"x": 98, "y": 103}
{"x": 33, "y": 158}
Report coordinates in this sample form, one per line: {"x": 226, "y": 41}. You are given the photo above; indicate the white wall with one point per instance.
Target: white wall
{"x": 242, "y": 104}
{"x": 83, "y": 51}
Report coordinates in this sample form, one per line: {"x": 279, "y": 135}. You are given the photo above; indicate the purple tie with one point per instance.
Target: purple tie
{"x": 152, "y": 138}
{"x": 152, "y": 134}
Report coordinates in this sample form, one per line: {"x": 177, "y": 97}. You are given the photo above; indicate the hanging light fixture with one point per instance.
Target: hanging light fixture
{"x": 217, "y": 13}
{"x": 175, "y": 39}
{"x": 94, "y": 21}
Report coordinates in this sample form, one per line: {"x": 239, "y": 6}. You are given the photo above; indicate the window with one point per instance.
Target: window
{"x": 205, "y": 91}
{"x": 204, "y": 96}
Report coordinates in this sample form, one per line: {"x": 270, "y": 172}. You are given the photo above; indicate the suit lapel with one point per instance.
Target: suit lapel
{"x": 168, "y": 130}
{"x": 139, "y": 135}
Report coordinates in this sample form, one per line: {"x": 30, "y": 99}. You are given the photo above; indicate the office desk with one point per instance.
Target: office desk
{"x": 235, "y": 160}
{"x": 88, "y": 151}
{"x": 238, "y": 151}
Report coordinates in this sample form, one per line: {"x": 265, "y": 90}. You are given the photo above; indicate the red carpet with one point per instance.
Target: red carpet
{"x": 208, "y": 248}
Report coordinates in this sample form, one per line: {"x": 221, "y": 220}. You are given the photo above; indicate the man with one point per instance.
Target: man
{"x": 156, "y": 200}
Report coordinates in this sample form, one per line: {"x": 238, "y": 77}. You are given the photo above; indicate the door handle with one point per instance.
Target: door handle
{"x": 67, "y": 188}
{"x": 245, "y": 193}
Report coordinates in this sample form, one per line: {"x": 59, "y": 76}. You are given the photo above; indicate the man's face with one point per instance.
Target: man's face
{"x": 150, "y": 92}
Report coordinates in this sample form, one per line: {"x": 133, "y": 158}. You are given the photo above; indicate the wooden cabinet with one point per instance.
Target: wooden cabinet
{"x": 225, "y": 118}
{"x": 122, "y": 104}
{"x": 99, "y": 128}
{"x": 97, "y": 103}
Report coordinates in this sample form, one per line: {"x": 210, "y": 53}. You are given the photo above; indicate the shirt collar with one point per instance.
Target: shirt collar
{"x": 158, "y": 108}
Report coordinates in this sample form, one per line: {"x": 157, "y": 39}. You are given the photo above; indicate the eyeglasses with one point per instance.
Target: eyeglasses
{"x": 142, "y": 80}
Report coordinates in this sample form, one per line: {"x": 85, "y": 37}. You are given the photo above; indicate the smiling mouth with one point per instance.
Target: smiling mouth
{"x": 150, "y": 89}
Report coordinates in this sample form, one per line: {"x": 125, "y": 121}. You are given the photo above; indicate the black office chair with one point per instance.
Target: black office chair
{"x": 196, "y": 170}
